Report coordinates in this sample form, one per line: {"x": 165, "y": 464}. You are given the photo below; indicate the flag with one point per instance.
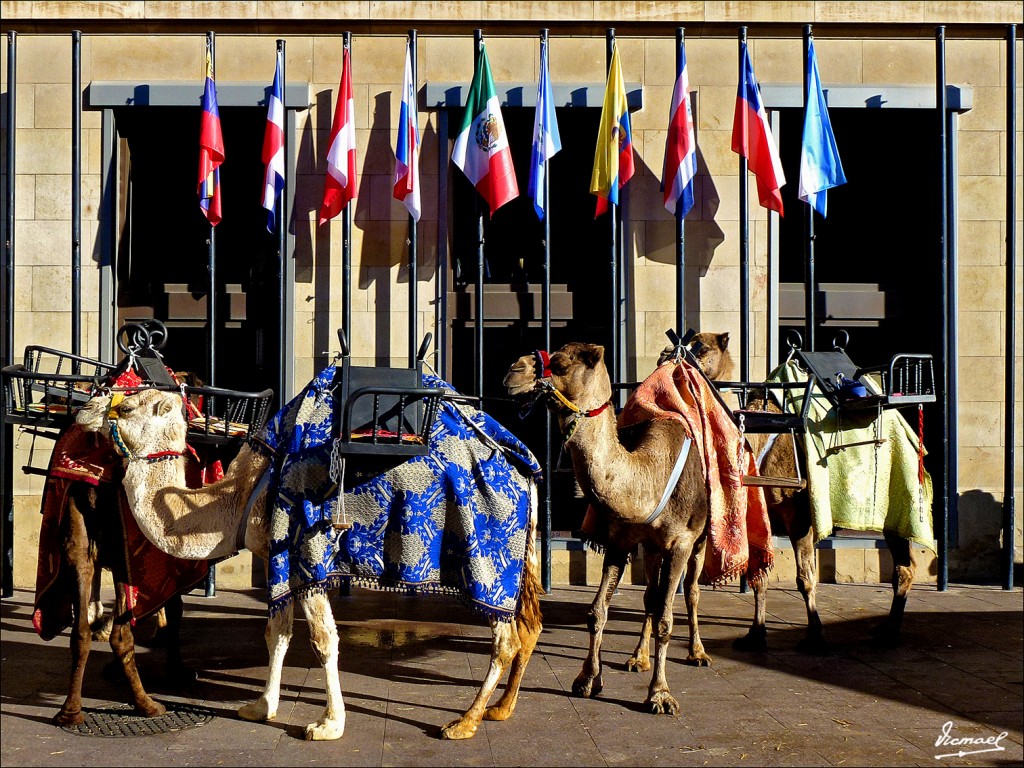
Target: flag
{"x": 613, "y": 157}
{"x": 752, "y": 138}
{"x": 407, "y": 151}
{"x": 820, "y": 167}
{"x": 546, "y": 141}
{"x": 211, "y": 149}
{"x": 273, "y": 147}
{"x": 680, "y": 148}
{"x": 340, "y": 181}
{"x": 481, "y": 150}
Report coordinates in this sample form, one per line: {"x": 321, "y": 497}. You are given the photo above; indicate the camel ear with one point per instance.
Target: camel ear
{"x": 165, "y": 406}
{"x": 723, "y": 341}
{"x": 592, "y": 355}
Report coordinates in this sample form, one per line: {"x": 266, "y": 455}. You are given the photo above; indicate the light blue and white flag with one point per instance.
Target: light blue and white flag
{"x": 820, "y": 167}
{"x": 546, "y": 141}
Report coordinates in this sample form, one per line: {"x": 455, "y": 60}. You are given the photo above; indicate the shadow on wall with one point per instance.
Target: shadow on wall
{"x": 975, "y": 546}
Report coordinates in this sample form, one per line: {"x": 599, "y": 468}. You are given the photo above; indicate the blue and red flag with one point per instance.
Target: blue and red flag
{"x": 613, "y": 158}
{"x": 407, "y": 150}
{"x": 680, "y": 148}
{"x": 752, "y": 138}
{"x": 273, "y": 147}
{"x": 211, "y": 149}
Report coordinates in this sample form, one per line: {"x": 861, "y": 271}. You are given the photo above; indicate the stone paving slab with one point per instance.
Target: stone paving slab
{"x": 411, "y": 664}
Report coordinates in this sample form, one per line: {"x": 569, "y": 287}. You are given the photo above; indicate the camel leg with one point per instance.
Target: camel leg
{"x": 169, "y": 636}
{"x": 81, "y": 566}
{"x": 640, "y": 661}
{"x": 756, "y": 639}
{"x": 801, "y": 534}
{"x": 323, "y": 635}
{"x": 659, "y": 698}
{"x": 99, "y": 621}
{"x": 528, "y": 627}
{"x": 123, "y": 644}
{"x": 694, "y": 566}
{"x": 504, "y": 647}
{"x": 588, "y": 682}
{"x": 903, "y": 569}
{"x": 278, "y": 635}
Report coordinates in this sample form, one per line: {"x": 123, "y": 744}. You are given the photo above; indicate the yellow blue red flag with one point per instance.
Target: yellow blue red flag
{"x": 613, "y": 157}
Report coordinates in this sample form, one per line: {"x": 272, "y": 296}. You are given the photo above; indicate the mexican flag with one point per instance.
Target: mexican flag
{"x": 481, "y": 149}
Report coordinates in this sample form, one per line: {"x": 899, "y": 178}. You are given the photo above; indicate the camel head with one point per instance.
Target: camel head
{"x": 143, "y": 423}
{"x": 577, "y": 371}
{"x": 712, "y": 353}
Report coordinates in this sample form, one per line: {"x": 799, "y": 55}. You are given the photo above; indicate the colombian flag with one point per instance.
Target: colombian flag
{"x": 613, "y": 158}
{"x": 211, "y": 150}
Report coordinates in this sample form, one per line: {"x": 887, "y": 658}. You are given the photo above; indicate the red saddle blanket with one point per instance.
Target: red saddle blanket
{"x": 153, "y": 577}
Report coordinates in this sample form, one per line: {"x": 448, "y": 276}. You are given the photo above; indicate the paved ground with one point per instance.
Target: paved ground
{"x": 410, "y": 665}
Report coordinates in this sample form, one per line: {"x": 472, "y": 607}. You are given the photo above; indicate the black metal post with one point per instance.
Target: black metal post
{"x": 948, "y": 364}
{"x": 545, "y": 311}
{"x": 613, "y": 216}
{"x": 810, "y": 281}
{"x": 413, "y": 224}
{"x": 1009, "y": 431}
{"x": 282, "y": 232}
{"x": 744, "y": 244}
{"x": 441, "y": 304}
{"x": 211, "y": 301}
{"x": 346, "y": 231}
{"x": 478, "y": 38}
{"x": 76, "y": 192}
{"x": 7, "y": 299}
{"x": 680, "y": 232}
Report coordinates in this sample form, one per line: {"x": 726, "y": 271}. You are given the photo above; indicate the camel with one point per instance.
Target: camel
{"x": 790, "y": 514}
{"x": 221, "y": 518}
{"x": 625, "y": 473}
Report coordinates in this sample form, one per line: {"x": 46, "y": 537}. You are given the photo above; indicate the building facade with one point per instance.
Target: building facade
{"x": 144, "y": 247}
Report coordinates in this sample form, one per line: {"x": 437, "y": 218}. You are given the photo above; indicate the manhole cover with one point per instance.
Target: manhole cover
{"x": 121, "y": 720}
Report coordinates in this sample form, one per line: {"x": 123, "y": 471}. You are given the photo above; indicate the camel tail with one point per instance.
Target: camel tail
{"x": 528, "y": 616}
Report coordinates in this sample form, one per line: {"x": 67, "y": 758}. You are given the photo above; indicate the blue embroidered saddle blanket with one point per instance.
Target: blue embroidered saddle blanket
{"x": 453, "y": 521}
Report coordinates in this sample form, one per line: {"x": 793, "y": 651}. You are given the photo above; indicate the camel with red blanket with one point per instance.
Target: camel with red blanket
{"x": 648, "y": 488}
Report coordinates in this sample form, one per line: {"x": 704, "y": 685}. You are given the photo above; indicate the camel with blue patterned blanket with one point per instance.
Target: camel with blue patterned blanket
{"x": 459, "y": 520}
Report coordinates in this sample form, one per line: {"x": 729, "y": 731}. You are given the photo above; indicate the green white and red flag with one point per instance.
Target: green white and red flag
{"x": 481, "y": 149}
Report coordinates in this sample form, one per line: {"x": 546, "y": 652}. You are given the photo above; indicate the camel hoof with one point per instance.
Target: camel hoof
{"x": 459, "y": 729}
{"x": 325, "y": 730}
{"x": 587, "y": 687}
{"x": 813, "y": 646}
{"x": 497, "y": 713}
{"x": 662, "y": 703}
{"x": 64, "y": 719}
{"x": 151, "y": 709}
{"x": 698, "y": 660}
{"x": 752, "y": 642}
{"x": 101, "y": 629}
{"x": 635, "y": 664}
{"x": 256, "y": 712}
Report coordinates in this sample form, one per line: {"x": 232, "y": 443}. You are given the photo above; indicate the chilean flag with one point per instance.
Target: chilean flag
{"x": 407, "y": 150}
{"x": 273, "y": 147}
{"x": 340, "y": 181}
{"x": 752, "y": 138}
{"x": 211, "y": 150}
{"x": 680, "y": 148}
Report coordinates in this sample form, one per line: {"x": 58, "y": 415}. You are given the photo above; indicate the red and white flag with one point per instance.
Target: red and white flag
{"x": 340, "y": 181}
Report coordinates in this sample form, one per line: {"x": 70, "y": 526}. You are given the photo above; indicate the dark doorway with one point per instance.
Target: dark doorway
{"x": 162, "y": 253}
{"x": 882, "y": 228}
{"x": 514, "y": 254}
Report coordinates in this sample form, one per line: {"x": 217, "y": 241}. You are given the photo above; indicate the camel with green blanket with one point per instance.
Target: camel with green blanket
{"x": 865, "y": 474}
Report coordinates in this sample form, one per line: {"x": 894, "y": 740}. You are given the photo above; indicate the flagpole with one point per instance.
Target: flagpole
{"x": 810, "y": 281}
{"x": 211, "y": 302}
{"x": 478, "y": 321}
{"x": 744, "y": 243}
{"x": 346, "y": 232}
{"x": 545, "y": 542}
{"x": 680, "y": 233}
{"x": 7, "y": 345}
{"x": 1009, "y": 383}
{"x": 949, "y": 485}
{"x": 282, "y": 226}
{"x": 613, "y": 215}
{"x": 76, "y": 192}
{"x": 413, "y": 267}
